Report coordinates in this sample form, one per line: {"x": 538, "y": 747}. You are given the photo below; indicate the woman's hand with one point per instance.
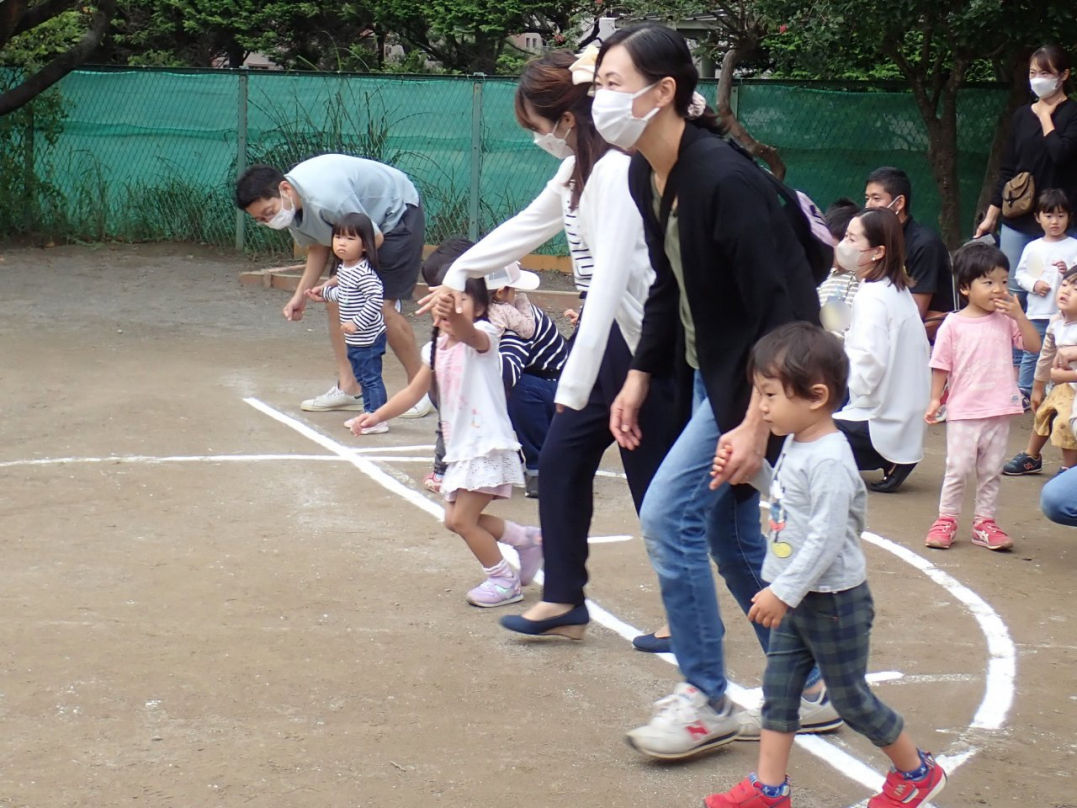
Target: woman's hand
{"x": 988, "y": 223}
{"x": 435, "y": 295}
{"x": 624, "y": 413}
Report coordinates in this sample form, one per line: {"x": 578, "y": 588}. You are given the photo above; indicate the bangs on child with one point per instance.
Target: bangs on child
{"x": 359, "y": 226}
{"x": 977, "y": 260}
{"x": 801, "y": 355}
{"x": 1054, "y": 200}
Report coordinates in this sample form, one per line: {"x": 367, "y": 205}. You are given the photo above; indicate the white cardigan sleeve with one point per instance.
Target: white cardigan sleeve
{"x": 613, "y": 230}
{"x": 530, "y": 228}
{"x": 867, "y": 344}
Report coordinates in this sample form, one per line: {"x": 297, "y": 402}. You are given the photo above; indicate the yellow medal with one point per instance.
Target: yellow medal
{"x": 782, "y": 549}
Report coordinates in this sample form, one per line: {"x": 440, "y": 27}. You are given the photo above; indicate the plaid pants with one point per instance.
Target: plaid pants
{"x": 831, "y": 630}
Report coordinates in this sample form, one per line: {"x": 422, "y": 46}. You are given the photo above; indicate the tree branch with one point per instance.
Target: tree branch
{"x": 35, "y": 15}
{"x": 62, "y": 64}
{"x": 11, "y": 11}
{"x": 765, "y": 152}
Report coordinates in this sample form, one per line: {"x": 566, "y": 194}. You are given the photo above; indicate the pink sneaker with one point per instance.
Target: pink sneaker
{"x": 432, "y": 482}
{"x": 901, "y": 793}
{"x": 987, "y": 534}
{"x": 941, "y": 535}
{"x": 499, "y": 591}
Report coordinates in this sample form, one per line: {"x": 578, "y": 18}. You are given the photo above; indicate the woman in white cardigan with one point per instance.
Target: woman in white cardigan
{"x": 588, "y": 198}
{"x": 889, "y": 378}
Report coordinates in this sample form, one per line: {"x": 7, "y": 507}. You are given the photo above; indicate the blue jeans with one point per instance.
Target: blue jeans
{"x": 685, "y": 523}
{"x": 531, "y": 409}
{"x": 1028, "y": 361}
{"x": 366, "y": 364}
{"x": 1059, "y": 498}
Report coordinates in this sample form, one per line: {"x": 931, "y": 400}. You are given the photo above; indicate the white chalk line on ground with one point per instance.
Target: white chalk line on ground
{"x": 838, "y": 758}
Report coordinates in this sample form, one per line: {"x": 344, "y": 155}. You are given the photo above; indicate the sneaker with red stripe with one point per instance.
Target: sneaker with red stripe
{"x": 987, "y": 534}
{"x": 748, "y": 793}
{"x": 900, "y": 792}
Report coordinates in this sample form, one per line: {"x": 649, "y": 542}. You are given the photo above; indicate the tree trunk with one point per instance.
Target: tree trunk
{"x": 1017, "y": 97}
{"x": 942, "y": 154}
{"x": 769, "y": 154}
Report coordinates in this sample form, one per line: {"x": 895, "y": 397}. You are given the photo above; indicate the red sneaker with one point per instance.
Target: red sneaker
{"x": 748, "y": 793}
{"x": 941, "y": 535}
{"x": 987, "y": 534}
{"x": 901, "y": 793}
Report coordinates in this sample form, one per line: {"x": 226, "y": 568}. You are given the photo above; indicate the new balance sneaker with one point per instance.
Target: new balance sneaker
{"x": 900, "y": 792}
{"x": 748, "y": 793}
{"x": 499, "y": 591}
{"x": 941, "y": 535}
{"x": 986, "y": 533}
{"x": 815, "y": 717}
{"x": 1023, "y": 463}
{"x": 420, "y": 410}
{"x": 685, "y": 724}
{"x": 333, "y": 399}
{"x": 432, "y": 482}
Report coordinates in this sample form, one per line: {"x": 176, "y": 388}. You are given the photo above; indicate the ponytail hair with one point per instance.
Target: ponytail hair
{"x": 546, "y": 89}
{"x": 658, "y": 52}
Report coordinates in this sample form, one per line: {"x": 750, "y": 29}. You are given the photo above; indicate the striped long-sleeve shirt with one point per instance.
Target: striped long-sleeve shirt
{"x": 543, "y": 355}
{"x": 359, "y": 293}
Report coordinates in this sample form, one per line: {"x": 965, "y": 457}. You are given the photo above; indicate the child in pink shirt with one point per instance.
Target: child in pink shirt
{"x": 974, "y": 354}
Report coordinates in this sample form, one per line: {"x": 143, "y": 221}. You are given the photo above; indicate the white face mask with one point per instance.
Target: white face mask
{"x": 848, "y": 257}
{"x": 283, "y": 217}
{"x": 612, "y": 113}
{"x": 1044, "y": 86}
{"x": 555, "y": 146}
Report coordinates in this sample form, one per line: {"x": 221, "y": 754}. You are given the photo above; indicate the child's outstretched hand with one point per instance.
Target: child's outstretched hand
{"x": 721, "y": 457}
{"x": 932, "y": 414}
{"x": 364, "y": 421}
{"x": 767, "y": 609}
{"x": 349, "y": 328}
{"x": 572, "y": 316}
{"x": 317, "y": 294}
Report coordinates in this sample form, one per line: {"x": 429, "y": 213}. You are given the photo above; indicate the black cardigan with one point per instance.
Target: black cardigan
{"x": 1052, "y": 160}
{"x": 745, "y": 273}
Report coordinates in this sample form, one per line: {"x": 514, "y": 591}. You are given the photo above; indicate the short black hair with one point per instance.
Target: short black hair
{"x": 976, "y": 260}
{"x": 1053, "y": 200}
{"x": 359, "y": 224}
{"x": 438, "y": 262}
{"x": 801, "y": 355}
{"x": 258, "y": 182}
{"x": 895, "y": 182}
{"x": 839, "y": 215}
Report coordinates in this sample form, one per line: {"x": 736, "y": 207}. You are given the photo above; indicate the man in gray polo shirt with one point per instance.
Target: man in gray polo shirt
{"x": 308, "y": 201}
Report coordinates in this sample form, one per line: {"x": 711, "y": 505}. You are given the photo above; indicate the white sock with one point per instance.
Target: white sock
{"x": 499, "y": 570}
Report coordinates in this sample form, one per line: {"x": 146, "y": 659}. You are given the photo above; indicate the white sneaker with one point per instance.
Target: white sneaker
{"x": 815, "y": 717}
{"x": 333, "y": 399}
{"x": 349, "y": 422}
{"x": 420, "y": 410}
{"x": 684, "y": 724}
{"x": 377, "y": 429}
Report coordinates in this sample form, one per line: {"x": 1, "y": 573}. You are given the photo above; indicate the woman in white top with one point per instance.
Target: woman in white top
{"x": 588, "y": 198}
{"x": 889, "y": 379}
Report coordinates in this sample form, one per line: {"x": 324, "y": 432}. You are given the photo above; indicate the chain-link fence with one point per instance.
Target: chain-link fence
{"x": 143, "y": 154}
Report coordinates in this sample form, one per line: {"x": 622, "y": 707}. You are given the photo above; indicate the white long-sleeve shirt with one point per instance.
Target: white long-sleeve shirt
{"x": 889, "y": 378}
{"x": 1038, "y": 264}
{"x": 610, "y": 231}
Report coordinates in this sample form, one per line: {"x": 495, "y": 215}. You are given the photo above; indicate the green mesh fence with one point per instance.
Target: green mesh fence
{"x": 142, "y": 154}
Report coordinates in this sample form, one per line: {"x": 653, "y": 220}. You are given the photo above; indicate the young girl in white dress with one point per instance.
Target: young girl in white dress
{"x": 481, "y": 449}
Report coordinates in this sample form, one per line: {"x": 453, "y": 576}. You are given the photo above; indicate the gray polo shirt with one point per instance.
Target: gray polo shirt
{"x": 333, "y": 185}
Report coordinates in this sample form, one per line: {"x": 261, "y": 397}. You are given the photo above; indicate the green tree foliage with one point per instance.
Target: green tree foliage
{"x": 44, "y": 41}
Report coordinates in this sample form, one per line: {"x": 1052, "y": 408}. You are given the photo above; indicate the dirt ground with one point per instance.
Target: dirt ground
{"x": 282, "y": 629}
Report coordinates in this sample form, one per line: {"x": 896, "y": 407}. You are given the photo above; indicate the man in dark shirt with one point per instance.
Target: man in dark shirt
{"x": 926, "y": 258}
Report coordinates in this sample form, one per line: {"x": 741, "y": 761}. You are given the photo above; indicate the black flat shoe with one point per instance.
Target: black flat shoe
{"x": 571, "y": 624}
{"x": 892, "y": 479}
{"x": 651, "y": 644}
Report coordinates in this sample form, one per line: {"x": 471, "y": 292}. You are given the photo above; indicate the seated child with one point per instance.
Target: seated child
{"x": 1053, "y": 414}
{"x": 816, "y": 570}
{"x": 510, "y": 310}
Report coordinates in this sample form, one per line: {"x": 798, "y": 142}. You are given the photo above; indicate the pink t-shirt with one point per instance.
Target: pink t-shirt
{"x": 977, "y": 353}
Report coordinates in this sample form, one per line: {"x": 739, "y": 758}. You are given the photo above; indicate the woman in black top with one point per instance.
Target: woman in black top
{"x": 1043, "y": 142}
{"x": 729, "y": 268}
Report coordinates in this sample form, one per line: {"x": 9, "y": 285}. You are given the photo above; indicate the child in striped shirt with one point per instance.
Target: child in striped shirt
{"x": 357, "y": 289}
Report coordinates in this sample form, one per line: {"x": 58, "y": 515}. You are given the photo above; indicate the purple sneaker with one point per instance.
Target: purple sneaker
{"x": 499, "y": 591}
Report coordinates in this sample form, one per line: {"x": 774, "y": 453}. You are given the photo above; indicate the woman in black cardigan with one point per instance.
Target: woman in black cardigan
{"x": 1043, "y": 142}
{"x": 729, "y": 268}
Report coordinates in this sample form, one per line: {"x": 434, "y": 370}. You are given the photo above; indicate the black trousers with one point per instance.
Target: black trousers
{"x": 859, "y": 437}
{"x": 570, "y": 457}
